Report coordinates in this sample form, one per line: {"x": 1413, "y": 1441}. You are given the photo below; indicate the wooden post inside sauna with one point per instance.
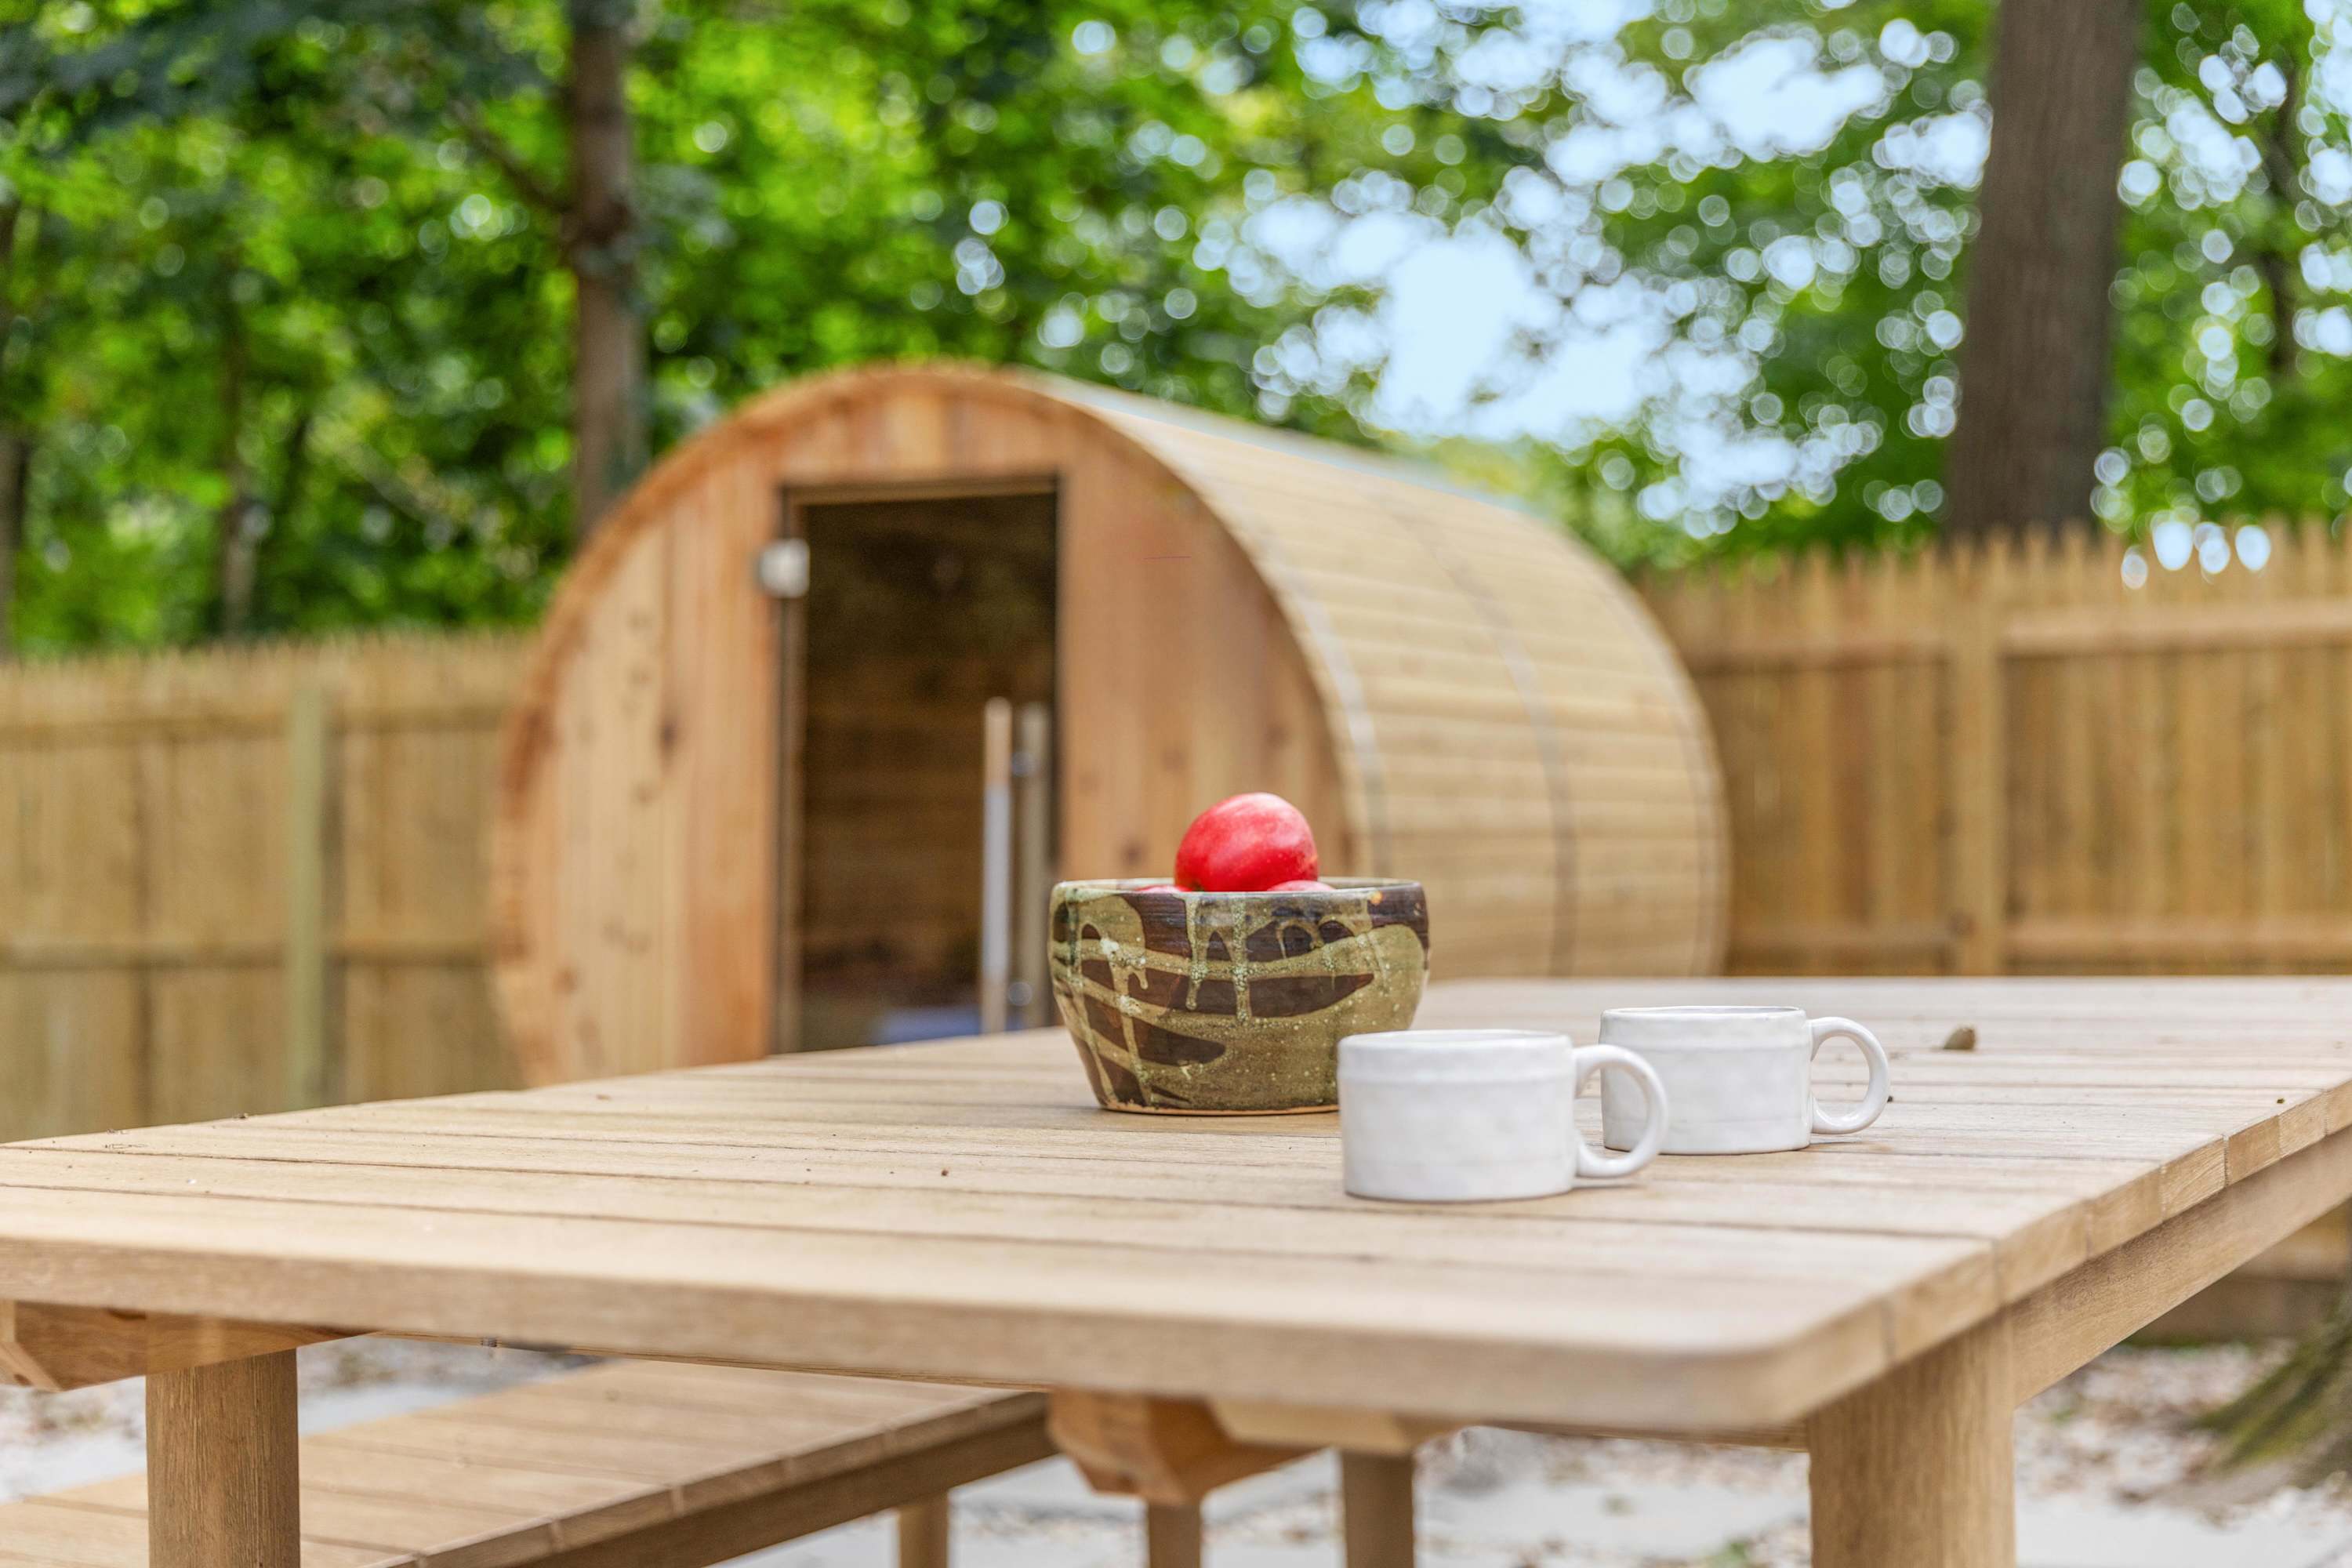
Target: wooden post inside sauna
{"x": 731, "y": 821}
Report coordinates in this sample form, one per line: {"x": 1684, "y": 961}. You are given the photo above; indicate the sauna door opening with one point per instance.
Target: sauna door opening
{"x": 919, "y": 609}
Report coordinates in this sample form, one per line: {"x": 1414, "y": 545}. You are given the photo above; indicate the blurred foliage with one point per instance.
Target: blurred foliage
{"x": 823, "y": 184}
{"x": 1825, "y": 287}
{"x": 2234, "y": 345}
{"x": 1802, "y": 289}
{"x": 345, "y": 199}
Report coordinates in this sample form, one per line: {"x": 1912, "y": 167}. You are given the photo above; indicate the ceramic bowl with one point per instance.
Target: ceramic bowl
{"x": 1229, "y": 1004}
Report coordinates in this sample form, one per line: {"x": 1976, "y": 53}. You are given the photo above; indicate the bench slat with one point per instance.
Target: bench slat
{"x": 555, "y": 1469}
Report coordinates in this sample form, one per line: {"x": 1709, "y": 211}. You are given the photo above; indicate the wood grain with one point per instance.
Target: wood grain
{"x": 245, "y": 880}
{"x": 1376, "y": 1511}
{"x": 1171, "y": 1535}
{"x": 924, "y": 1529}
{"x": 960, "y": 1210}
{"x": 1451, "y": 691}
{"x": 2051, "y": 771}
{"x": 550, "y": 1472}
{"x": 1166, "y": 1451}
{"x": 1920, "y": 1468}
{"x": 56, "y": 1348}
{"x": 221, "y": 1466}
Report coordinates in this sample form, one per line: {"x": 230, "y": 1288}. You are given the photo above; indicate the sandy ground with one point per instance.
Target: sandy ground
{"x": 2101, "y": 1460}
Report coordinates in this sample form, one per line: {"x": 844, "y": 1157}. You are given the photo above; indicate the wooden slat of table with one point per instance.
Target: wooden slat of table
{"x": 1990, "y": 1199}
{"x": 1469, "y": 1237}
{"x": 2025, "y": 1126}
{"x": 1610, "y": 1221}
{"x": 1034, "y": 1126}
{"x": 1099, "y": 1316}
{"x": 961, "y": 1210}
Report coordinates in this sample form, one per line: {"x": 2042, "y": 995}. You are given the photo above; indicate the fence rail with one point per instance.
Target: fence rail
{"x": 246, "y": 880}
{"x": 2010, "y": 759}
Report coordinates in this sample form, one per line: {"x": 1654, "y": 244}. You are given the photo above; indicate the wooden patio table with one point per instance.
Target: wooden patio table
{"x": 1197, "y": 1293}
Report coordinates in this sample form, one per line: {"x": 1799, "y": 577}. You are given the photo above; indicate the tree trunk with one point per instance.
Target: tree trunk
{"x": 2035, "y": 367}
{"x": 16, "y": 481}
{"x": 278, "y": 517}
{"x": 235, "y": 532}
{"x": 608, "y": 418}
{"x": 2273, "y": 257}
{"x": 16, "y": 445}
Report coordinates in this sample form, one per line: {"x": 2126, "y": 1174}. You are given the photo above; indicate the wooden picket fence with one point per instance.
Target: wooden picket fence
{"x": 242, "y": 881}
{"x": 246, "y": 880}
{"x": 2010, "y": 759}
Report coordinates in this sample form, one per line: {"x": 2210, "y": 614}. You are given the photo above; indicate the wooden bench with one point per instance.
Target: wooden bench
{"x": 624, "y": 1465}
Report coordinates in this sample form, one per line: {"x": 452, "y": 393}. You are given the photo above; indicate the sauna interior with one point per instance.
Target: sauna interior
{"x": 920, "y": 610}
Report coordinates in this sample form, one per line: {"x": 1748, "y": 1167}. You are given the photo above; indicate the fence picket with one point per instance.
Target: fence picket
{"x": 245, "y": 879}
{"x": 2109, "y": 776}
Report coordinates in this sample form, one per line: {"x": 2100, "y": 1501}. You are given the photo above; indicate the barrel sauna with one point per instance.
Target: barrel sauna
{"x": 723, "y": 812}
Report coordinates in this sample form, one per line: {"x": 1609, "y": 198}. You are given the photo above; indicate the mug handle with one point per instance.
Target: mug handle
{"x": 1874, "y": 1100}
{"x": 1588, "y": 1059}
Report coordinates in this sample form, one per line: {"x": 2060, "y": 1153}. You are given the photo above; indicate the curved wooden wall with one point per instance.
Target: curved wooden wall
{"x": 1451, "y": 689}
{"x": 1517, "y": 731}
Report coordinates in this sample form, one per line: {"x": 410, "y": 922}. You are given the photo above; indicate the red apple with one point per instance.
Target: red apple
{"x": 1246, "y": 844}
{"x": 1301, "y": 885}
{"x": 1157, "y": 888}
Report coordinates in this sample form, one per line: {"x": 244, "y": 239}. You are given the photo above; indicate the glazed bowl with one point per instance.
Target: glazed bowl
{"x": 1232, "y": 1004}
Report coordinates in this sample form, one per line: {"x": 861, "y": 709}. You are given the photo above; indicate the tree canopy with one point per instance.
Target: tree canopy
{"x": 285, "y": 288}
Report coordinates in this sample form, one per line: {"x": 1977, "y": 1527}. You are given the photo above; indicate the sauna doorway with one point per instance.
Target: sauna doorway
{"x": 918, "y": 608}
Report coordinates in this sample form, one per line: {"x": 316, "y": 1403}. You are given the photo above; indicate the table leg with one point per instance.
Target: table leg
{"x": 1919, "y": 1468}
{"x": 1171, "y": 1535}
{"x": 222, "y": 1484}
{"x": 923, "y": 1533}
{"x": 1375, "y": 1509}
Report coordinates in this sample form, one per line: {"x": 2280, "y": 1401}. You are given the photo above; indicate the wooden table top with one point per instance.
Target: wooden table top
{"x": 962, "y": 1211}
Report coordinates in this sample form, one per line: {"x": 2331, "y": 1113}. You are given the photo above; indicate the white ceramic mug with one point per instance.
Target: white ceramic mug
{"x": 1461, "y": 1115}
{"x": 1739, "y": 1079}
